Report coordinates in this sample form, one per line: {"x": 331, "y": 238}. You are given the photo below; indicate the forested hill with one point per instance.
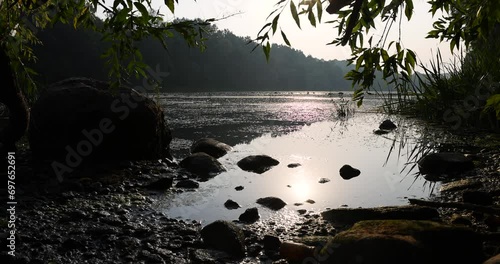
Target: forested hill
{"x": 227, "y": 64}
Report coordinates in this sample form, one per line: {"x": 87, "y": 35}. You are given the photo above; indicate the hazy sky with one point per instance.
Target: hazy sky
{"x": 312, "y": 41}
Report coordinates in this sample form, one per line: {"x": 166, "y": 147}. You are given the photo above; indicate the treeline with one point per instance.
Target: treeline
{"x": 227, "y": 64}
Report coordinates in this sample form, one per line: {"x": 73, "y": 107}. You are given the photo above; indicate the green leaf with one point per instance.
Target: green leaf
{"x": 319, "y": 9}
{"x": 411, "y": 57}
{"x": 264, "y": 27}
{"x": 408, "y": 8}
{"x": 295, "y": 15}
{"x": 285, "y": 38}
{"x": 275, "y": 23}
{"x": 170, "y": 5}
{"x": 385, "y": 56}
{"x": 142, "y": 9}
{"x": 312, "y": 19}
{"x": 267, "y": 50}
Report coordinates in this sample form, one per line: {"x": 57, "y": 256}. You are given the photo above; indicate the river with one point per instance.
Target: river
{"x": 298, "y": 127}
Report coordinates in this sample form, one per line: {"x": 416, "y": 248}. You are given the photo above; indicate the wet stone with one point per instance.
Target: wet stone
{"x": 257, "y": 163}
{"x": 189, "y": 184}
{"x": 230, "y": 204}
{"x": 271, "y": 242}
{"x": 324, "y": 180}
{"x": 161, "y": 184}
{"x": 250, "y": 216}
{"x": 271, "y": 202}
{"x": 347, "y": 172}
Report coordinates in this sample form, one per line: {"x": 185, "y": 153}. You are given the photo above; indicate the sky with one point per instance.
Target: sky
{"x": 249, "y": 17}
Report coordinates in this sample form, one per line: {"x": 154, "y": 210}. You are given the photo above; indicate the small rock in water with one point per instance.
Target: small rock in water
{"x": 257, "y": 163}
{"x": 250, "y": 215}
{"x": 294, "y": 165}
{"x": 230, "y": 204}
{"x": 289, "y": 186}
{"x": 310, "y": 201}
{"x": 387, "y": 125}
{"x": 298, "y": 204}
{"x": 324, "y": 180}
{"x": 302, "y": 211}
{"x": 273, "y": 203}
{"x": 239, "y": 188}
{"x": 347, "y": 172}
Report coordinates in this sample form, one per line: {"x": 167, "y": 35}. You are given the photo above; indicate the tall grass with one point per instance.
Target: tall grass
{"x": 453, "y": 93}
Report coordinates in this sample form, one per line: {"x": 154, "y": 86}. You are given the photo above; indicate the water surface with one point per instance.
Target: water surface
{"x": 301, "y": 128}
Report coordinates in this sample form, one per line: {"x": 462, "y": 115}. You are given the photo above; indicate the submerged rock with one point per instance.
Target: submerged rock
{"x": 324, "y": 180}
{"x": 202, "y": 164}
{"x": 404, "y": 241}
{"x": 257, "y": 163}
{"x": 349, "y": 216}
{"x": 381, "y": 132}
{"x": 445, "y": 163}
{"x": 271, "y": 202}
{"x": 250, "y": 216}
{"x": 224, "y": 236}
{"x": 347, "y": 172}
{"x": 81, "y": 119}
{"x": 210, "y": 146}
{"x": 294, "y": 165}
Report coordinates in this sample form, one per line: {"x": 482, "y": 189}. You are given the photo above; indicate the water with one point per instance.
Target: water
{"x": 292, "y": 128}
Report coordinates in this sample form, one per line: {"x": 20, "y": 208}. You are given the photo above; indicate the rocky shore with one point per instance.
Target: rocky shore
{"x": 105, "y": 214}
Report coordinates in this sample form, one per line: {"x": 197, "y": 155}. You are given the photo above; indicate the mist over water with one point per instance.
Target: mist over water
{"x": 292, "y": 128}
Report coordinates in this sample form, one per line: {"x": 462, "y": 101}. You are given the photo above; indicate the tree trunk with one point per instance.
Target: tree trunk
{"x": 12, "y": 97}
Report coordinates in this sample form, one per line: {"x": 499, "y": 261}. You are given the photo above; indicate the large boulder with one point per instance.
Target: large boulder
{"x": 257, "y": 163}
{"x": 210, "y": 146}
{"x": 225, "y": 236}
{"x": 445, "y": 163}
{"x": 80, "y": 118}
{"x": 404, "y": 241}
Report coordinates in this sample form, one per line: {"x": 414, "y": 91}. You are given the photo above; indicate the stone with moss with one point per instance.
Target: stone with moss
{"x": 404, "y": 241}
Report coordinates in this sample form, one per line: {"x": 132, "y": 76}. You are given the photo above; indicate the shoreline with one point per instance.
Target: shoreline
{"x": 104, "y": 214}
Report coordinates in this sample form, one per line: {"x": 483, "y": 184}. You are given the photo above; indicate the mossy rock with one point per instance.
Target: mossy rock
{"x": 404, "y": 241}
{"x": 349, "y": 216}
{"x": 313, "y": 240}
